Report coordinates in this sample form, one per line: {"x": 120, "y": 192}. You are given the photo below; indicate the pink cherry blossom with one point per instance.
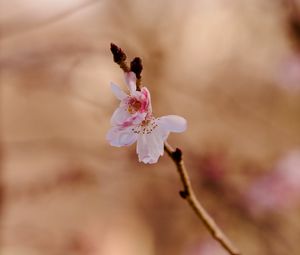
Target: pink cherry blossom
{"x": 279, "y": 189}
{"x": 133, "y": 121}
{"x": 150, "y": 135}
{"x": 134, "y": 106}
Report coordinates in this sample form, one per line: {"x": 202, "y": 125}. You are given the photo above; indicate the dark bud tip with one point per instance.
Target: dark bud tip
{"x": 118, "y": 53}
{"x": 177, "y": 155}
{"x": 136, "y": 67}
{"x": 183, "y": 194}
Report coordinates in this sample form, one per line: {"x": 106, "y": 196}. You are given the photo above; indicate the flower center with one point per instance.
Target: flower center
{"x": 146, "y": 127}
{"x": 134, "y": 105}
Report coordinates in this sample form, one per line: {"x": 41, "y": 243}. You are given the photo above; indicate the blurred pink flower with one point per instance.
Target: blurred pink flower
{"x": 213, "y": 166}
{"x": 279, "y": 189}
{"x": 207, "y": 248}
{"x": 289, "y": 74}
{"x": 133, "y": 121}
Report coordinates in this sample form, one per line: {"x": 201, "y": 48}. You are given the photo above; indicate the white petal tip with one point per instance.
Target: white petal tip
{"x": 118, "y": 92}
{"x": 173, "y": 123}
{"x": 130, "y": 80}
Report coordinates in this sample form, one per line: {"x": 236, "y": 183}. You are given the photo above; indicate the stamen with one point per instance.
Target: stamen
{"x": 134, "y": 105}
{"x": 146, "y": 127}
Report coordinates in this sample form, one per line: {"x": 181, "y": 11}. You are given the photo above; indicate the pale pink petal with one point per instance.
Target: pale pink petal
{"x": 118, "y": 136}
{"x": 147, "y": 99}
{"x": 133, "y": 120}
{"x": 164, "y": 133}
{"x": 130, "y": 79}
{"x": 120, "y": 94}
{"x": 120, "y": 115}
{"x": 144, "y": 98}
{"x": 138, "y": 117}
{"x": 150, "y": 147}
{"x": 172, "y": 123}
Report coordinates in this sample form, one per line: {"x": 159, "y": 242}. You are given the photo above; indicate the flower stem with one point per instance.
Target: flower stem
{"x": 188, "y": 194}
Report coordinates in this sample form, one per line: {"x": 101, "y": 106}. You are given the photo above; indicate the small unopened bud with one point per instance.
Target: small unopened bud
{"x": 118, "y": 53}
{"x": 136, "y": 67}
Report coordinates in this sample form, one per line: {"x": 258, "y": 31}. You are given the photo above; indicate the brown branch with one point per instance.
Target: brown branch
{"x": 188, "y": 194}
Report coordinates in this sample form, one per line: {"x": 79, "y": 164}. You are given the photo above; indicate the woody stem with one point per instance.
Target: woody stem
{"x": 189, "y": 195}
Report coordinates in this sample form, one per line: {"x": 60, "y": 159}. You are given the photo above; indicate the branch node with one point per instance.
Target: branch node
{"x": 177, "y": 155}
{"x": 188, "y": 194}
{"x": 184, "y": 194}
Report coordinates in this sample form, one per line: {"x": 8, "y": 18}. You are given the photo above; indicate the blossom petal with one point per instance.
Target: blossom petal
{"x": 120, "y": 115}
{"x": 138, "y": 117}
{"x": 118, "y": 92}
{"x": 172, "y": 123}
{"x": 133, "y": 121}
{"x": 130, "y": 79}
{"x": 150, "y": 147}
{"x": 118, "y": 136}
{"x": 146, "y": 93}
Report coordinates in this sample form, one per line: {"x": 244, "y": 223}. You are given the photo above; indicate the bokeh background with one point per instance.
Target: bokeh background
{"x": 230, "y": 67}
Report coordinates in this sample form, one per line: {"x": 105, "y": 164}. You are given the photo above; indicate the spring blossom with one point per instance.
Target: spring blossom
{"x": 133, "y": 121}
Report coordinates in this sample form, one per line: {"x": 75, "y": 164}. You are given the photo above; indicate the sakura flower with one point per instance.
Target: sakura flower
{"x": 134, "y": 106}
{"x": 133, "y": 122}
{"x": 150, "y": 135}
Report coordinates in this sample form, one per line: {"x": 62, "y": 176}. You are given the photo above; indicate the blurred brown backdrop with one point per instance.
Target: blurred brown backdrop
{"x": 231, "y": 68}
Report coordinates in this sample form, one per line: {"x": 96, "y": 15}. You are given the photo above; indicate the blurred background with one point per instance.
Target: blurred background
{"x": 230, "y": 67}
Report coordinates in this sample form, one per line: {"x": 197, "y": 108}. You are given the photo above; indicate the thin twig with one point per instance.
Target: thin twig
{"x": 188, "y": 194}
